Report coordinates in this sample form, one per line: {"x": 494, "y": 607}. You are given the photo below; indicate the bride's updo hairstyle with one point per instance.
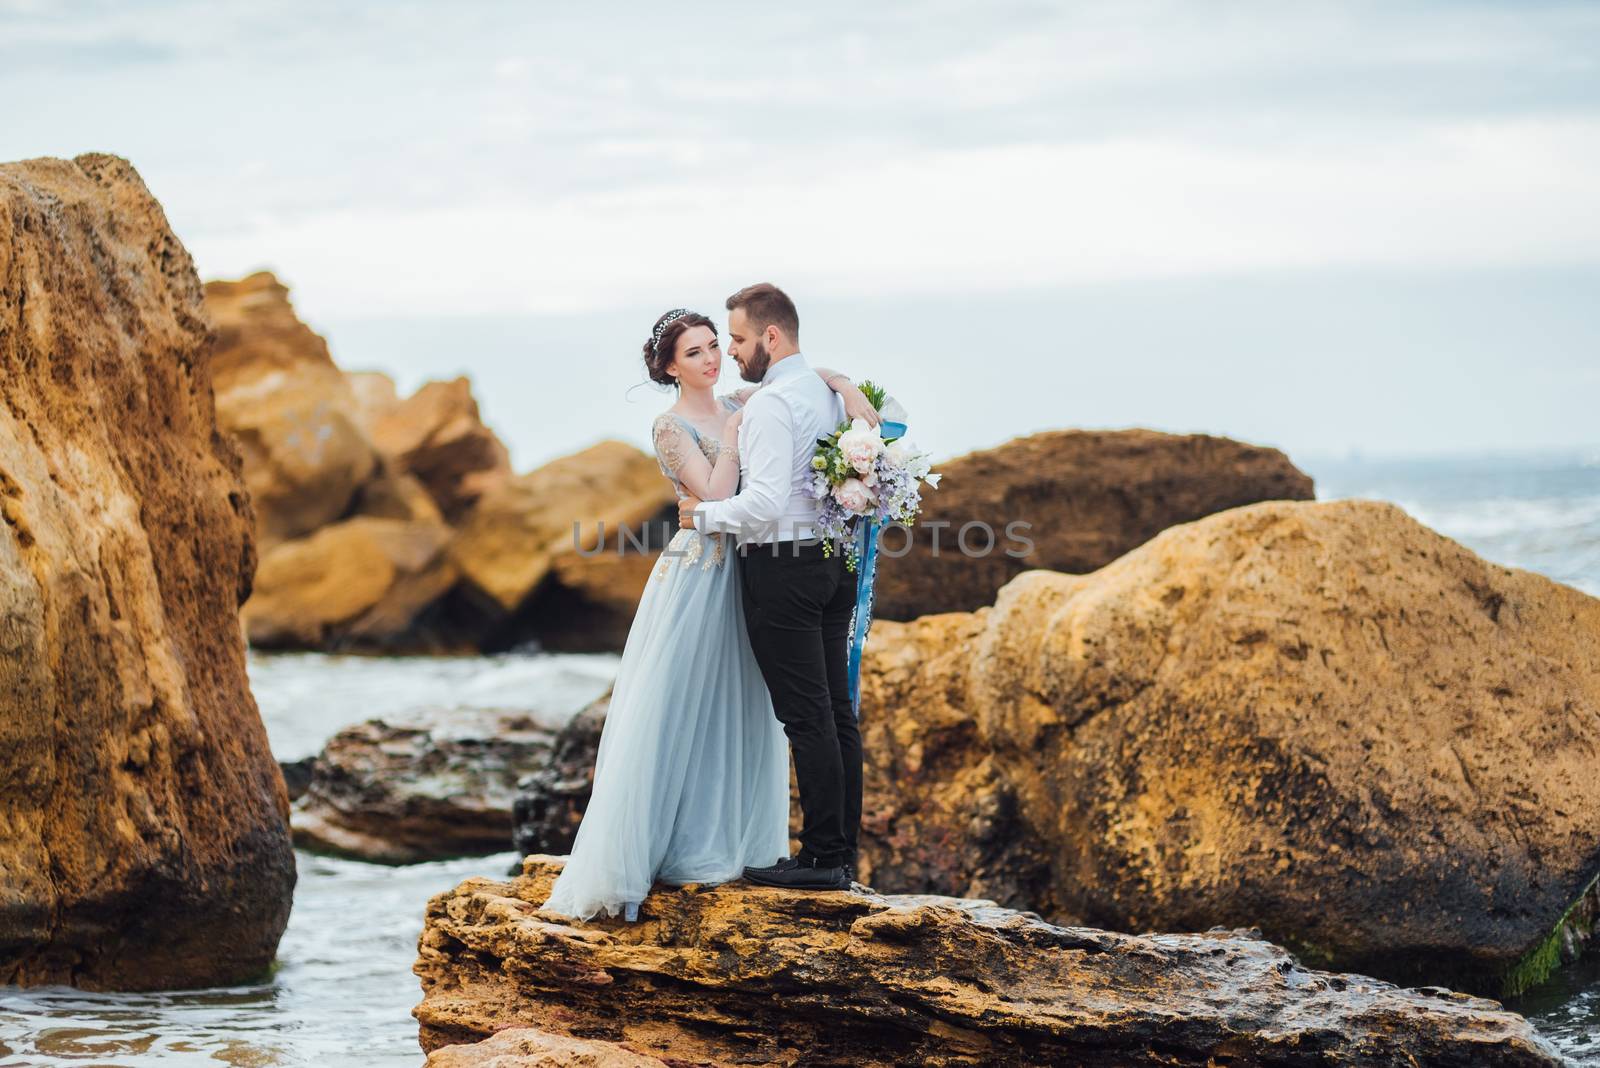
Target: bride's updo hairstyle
{"x": 663, "y": 344}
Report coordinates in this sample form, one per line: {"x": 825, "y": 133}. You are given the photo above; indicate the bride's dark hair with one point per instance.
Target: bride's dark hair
{"x": 663, "y": 343}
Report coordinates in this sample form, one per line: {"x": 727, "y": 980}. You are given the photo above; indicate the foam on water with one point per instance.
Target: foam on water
{"x": 306, "y": 697}
{"x": 1539, "y": 514}
{"x": 342, "y": 993}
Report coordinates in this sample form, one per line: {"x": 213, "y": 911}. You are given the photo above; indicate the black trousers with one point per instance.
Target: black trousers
{"x": 797, "y": 606}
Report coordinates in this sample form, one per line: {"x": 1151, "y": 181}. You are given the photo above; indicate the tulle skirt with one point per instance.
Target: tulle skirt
{"x": 691, "y": 780}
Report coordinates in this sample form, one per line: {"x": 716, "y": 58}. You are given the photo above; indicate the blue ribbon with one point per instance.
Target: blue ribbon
{"x": 866, "y": 544}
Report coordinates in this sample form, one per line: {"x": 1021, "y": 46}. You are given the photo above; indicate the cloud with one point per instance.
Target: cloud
{"x": 1465, "y": 195}
{"x": 504, "y": 157}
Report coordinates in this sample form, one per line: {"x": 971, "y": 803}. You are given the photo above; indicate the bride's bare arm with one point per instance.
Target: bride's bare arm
{"x": 856, "y": 404}
{"x": 709, "y": 481}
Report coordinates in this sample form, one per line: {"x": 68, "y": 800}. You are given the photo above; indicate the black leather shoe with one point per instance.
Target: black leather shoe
{"x": 786, "y": 864}
{"x": 800, "y": 877}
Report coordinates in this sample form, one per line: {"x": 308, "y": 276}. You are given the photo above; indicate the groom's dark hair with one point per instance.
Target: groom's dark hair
{"x": 766, "y": 305}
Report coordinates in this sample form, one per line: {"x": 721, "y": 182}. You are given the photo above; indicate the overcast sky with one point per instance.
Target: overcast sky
{"x": 1324, "y": 226}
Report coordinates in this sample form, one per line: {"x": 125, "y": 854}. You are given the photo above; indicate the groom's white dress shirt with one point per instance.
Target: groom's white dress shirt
{"x": 777, "y": 438}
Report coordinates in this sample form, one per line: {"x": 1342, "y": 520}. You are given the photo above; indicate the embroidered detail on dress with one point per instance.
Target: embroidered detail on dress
{"x": 717, "y": 552}
{"x": 667, "y": 436}
{"x": 684, "y": 545}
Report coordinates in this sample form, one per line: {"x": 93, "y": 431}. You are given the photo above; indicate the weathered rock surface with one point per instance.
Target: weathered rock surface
{"x": 741, "y": 975}
{"x": 297, "y": 775}
{"x": 1323, "y": 720}
{"x": 436, "y": 436}
{"x": 527, "y": 1047}
{"x": 376, "y": 396}
{"x": 588, "y": 602}
{"x": 1089, "y": 496}
{"x": 291, "y": 410}
{"x": 356, "y": 489}
{"x": 506, "y": 548}
{"x": 361, "y": 583}
{"x": 145, "y": 842}
{"x": 440, "y": 785}
{"x": 550, "y": 801}
{"x": 390, "y": 494}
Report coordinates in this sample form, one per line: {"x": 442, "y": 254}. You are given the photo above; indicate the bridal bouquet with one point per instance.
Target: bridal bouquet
{"x": 857, "y": 473}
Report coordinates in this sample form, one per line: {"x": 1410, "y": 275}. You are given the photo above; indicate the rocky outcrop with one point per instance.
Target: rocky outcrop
{"x": 1081, "y": 498}
{"x": 394, "y": 524}
{"x": 440, "y": 785}
{"x": 436, "y": 436}
{"x": 1324, "y": 720}
{"x": 747, "y": 975}
{"x": 356, "y": 489}
{"x": 289, "y": 408}
{"x": 587, "y": 603}
{"x": 394, "y": 495}
{"x": 550, "y": 801}
{"x": 507, "y": 547}
{"x": 145, "y": 841}
{"x": 362, "y": 583}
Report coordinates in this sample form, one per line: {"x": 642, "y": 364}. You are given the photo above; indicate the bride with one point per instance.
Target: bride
{"x": 691, "y": 781}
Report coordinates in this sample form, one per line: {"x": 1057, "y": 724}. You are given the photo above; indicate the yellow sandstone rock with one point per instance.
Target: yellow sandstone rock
{"x": 1084, "y": 498}
{"x": 143, "y": 833}
{"x": 750, "y": 975}
{"x": 1323, "y": 720}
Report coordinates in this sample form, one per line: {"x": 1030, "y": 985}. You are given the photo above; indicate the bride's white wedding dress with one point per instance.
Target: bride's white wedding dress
{"x": 691, "y": 781}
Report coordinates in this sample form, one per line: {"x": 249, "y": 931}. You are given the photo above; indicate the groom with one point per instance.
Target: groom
{"x": 797, "y": 602}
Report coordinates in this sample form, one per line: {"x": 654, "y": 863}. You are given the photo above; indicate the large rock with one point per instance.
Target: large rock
{"x": 746, "y": 975}
{"x": 508, "y": 544}
{"x": 295, "y": 417}
{"x": 588, "y": 602}
{"x": 145, "y": 841}
{"x": 440, "y": 784}
{"x": 362, "y": 584}
{"x": 1324, "y": 720}
{"x": 1085, "y": 497}
{"x": 550, "y": 801}
{"x": 436, "y": 436}
{"x": 356, "y": 490}
{"x": 392, "y": 494}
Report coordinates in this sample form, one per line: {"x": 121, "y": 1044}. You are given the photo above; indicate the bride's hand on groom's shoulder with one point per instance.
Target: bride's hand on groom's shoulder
{"x": 857, "y": 406}
{"x": 731, "y": 427}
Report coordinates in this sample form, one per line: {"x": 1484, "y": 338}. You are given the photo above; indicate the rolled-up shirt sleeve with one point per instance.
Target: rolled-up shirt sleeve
{"x": 769, "y": 449}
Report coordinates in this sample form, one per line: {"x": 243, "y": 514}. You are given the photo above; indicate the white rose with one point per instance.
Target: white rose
{"x": 861, "y": 445}
{"x": 854, "y": 496}
{"x": 904, "y": 454}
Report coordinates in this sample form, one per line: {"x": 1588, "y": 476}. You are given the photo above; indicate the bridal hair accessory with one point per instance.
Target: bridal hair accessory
{"x": 667, "y": 320}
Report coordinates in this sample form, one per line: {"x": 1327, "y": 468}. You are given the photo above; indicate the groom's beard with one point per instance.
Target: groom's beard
{"x": 754, "y": 368}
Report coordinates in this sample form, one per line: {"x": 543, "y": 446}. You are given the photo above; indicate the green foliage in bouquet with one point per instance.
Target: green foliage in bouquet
{"x": 875, "y": 393}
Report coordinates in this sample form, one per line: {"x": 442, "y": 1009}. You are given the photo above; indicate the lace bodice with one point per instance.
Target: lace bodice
{"x": 673, "y": 436}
